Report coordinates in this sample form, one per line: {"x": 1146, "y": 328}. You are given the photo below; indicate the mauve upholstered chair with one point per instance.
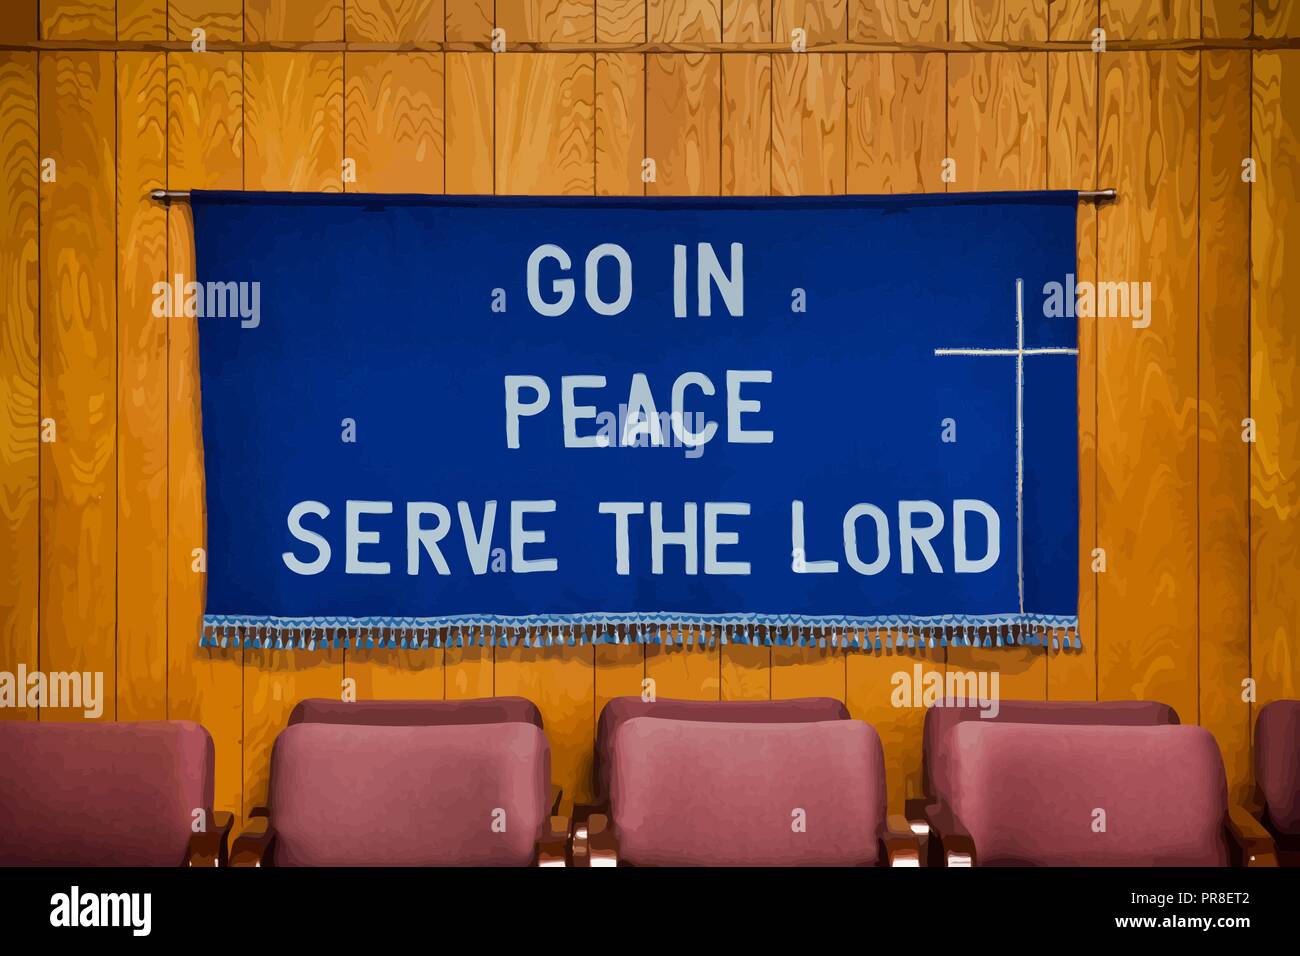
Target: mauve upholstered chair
{"x": 420, "y": 713}
{"x": 622, "y": 709}
{"x": 1044, "y": 795}
{"x": 701, "y": 793}
{"x": 364, "y": 795}
{"x": 1277, "y": 775}
{"x": 941, "y": 718}
{"x": 108, "y": 794}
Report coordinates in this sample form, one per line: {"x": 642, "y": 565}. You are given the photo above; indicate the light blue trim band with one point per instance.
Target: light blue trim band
{"x": 550, "y": 630}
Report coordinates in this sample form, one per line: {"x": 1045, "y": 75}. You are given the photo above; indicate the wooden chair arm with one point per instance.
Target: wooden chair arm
{"x": 582, "y": 813}
{"x": 210, "y": 848}
{"x": 1253, "y": 843}
{"x": 899, "y": 842}
{"x": 253, "y": 846}
{"x": 552, "y": 848}
{"x": 956, "y": 848}
{"x": 259, "y": 812}
{"x": 557, "y": 794}
{"x": 602, "y": 845}
{"x": 914, "y": 810}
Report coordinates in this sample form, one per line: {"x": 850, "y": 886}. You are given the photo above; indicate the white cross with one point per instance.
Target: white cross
{"x": 1019, "y": 352}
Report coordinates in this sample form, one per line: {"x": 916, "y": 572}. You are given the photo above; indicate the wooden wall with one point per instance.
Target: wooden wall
{"x": 1201, "y": 531}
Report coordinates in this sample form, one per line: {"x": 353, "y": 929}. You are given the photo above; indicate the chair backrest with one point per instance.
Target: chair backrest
{"x": 416, "y": 713}
{"x": 1277, "y": 764}
{"x": 356, "y": 795}
{"x": 941, "y": 718}
{"x": 696, "y": 793}
{"x": 102, "y": 794}
{"x": 1034, "y": 794}
{"x": 622, "y": 709}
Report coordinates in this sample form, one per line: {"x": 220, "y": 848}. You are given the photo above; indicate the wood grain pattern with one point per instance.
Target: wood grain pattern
{"x": 808, "y": 124}
{"x": 620, "y": 123}
{"x": 997, "y": 123}
{"x": 1072, "y": 164}
{"x": 141, "y": 389}
{"x": 1226, "y": 18}
{"x": 683, "y": 124}
{"x": 293, "y": 121}
{"x": 747, "y": 124}
{"x": 823, "y": 21}
{"x": 546, "y": 106}
{"x": 1146, "y": 493}
{"x": 1275, "y": 377}
{"x": 1150, "y": 19}
{"x": 204, "y": 150}
{"x": 394, "y": 121}
{"x": 20, "y": 22}
{"x": 1004, "y": 20}
{"x": 470, "y": 165}
{"x": 684, "y": 673}
{"x": 142, "y": 19}
{"x": 745, "y": 21}
{"x": 78, "y": 19}
{"x": 266, "y": 20}
{"x": 469, "y": 19}
{"x": 896, "y": 110}
{"x": 620, "y": 21}
{"x": 914, "y": 21}
{"x": 219, "y": 19}
{"x": 680, "y": 21}
{"x": 1276, "y": 18}
{"x": 20, "y": 367}
{"x": 391, "y": 21}
{"x": 1072, "y": 19}
{"x": 1223, "y": 459}
{"x": 78, "y": 372}
{"x": 548, "y": 21}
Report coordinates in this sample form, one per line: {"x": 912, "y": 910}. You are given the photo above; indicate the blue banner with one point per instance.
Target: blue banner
{"x": 431, "y": 419}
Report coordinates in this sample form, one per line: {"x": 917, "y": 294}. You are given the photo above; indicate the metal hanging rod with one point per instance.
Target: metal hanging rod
{"x": 167, "y": 196}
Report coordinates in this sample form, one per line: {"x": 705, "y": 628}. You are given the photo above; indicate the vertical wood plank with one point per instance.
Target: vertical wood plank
{"x": 204, "y": 150}
{"x": 20, "y": 23}
{"x": 547, "y": 21}
{"x": 684, "y": 672}
{"x": 907, "y": 21}
{"x": 684, "y": 124}
{"x": 298, "y": 20}
{"x": 468, "y": 672}
{"x": 392, "y": 21}
{"x": 620, "y": 123}
{"x": 142, "y": 389}
{"x": 808, "y": 123}
{"x": 1151, "y": 19}
{"x": 20, "y": 367}
{"x": 1072, "y": 164}
{"x": 142, "y": 19}
{"x": 1071, "y": 19}
{"x": 394, "y": 121}
{"x": 1007, "y": 21}
{"x": 1275, "y": 376}
{"x": 1146, "y": 423}
{"x": 1223, "y": 459}
{"x": 997, "y": 123}
{"x": 683, "y": 21}
{"x": 1226, "y": 18}
{"x": 747, "y": 124}
{"x": 895, "y": 136}
{"x": 1277, "y": 18}
{"x": 293, "y": 121}
{"x": 745, "y": 672}
{"x": 823, "y": 21}
{"x": 809, "y": 672}
{"x": 469, "y": 20}
{"x": 78, "y": 371}
{"x": 78, "y": 20}
{"x": 219, "y": 19}
{"x": 744, "y": 21}
{"x": 545, "y": 107}
{"x": 470, "y": 165}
